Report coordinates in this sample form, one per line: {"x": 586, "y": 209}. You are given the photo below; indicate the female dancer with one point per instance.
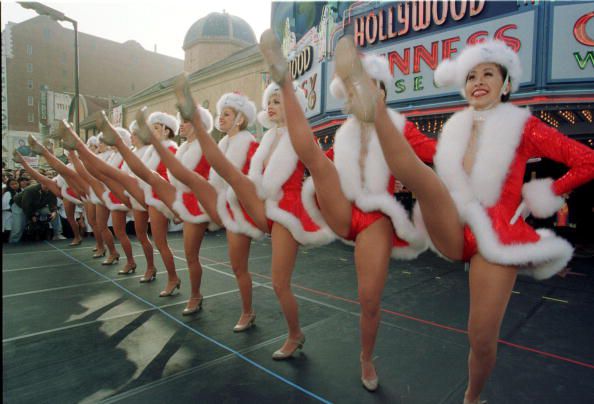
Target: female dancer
{"x": 355, "y": 194}
{"x": 472, "y": 207}
{"x": 89, "y": 207}
{"x": 188, "y": 177}
{"x": 166, "y": 126}
{"x": 272, "y": 200}
{"x": 177, "y": 197}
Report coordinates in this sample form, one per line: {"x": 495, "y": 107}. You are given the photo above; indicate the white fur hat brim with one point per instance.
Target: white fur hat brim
{"x": 164, "y": 119}
{"x": 239, "y": 103}
{"x": 274, "y": 88}
{"x": 454, "y": 72}
{"x": 93, "y": 141}
{"x": 133, "y": 127}
{"x": 377, "y": 67}
{"x": 125, "y": 135}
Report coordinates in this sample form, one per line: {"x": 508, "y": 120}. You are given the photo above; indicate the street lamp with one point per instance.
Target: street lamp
{"x": 56, "y": 15}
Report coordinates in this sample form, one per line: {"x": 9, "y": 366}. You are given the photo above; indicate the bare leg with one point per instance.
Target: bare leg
{"x": 239, "y": 251}
{"x": 284, "y": 253}
{"x": 159, "y": 231}
{"x": 334, "y": 205}
{"x": 91, "y": 211}
{"x": 141, "y": 228}
{"x": 490, "y": 290}
{"x": 69, "y": 207}
{"x": 193, "y": 235}
{"x": 102, "y": 218}
{"x": 244, "y": 188}
{"x": 37, "y": 176}
{"x": 96, "y": 185}
{"x": 118, "y": 220}
{"x": 372, "y": 254}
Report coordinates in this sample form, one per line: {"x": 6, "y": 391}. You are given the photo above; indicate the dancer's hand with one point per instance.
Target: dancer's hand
{"x": 185, "y": 103}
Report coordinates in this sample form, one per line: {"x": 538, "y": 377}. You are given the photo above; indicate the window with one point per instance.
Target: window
{"x": 29, "y": 50}
{"x": 29, "y": 67}
{"x": 30, "y": 100}
{"x": 30, "y": 117}
{"x": 30, "y": 84}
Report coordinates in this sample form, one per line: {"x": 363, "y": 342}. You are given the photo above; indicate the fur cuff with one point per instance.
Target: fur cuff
{"x": 540, "y": 198}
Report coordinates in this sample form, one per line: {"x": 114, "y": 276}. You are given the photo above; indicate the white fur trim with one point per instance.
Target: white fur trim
{"x": 113, "y": 206}
{"x": 235, "y": 150}
{"x": 125, "y": 135}
{"x": 135, "y": 204}
{"x": 454, "y": 72}
{"x": 93, "y": 198}
{"x": 540, "y": 198}
{"x": 239, "y": 103}
{"x": 371, "y": 194}
{"x": 151, "y": 157}
{"x": 237, "y": 224}
{"x": 271, "y": 89}
{"x": 541, "y": 259}
{"x": 61, "y": 182}
{"x": 164, "y": 119}
{"x": 93, "y": 141}
{"x": 133, "y": 127}
{"x": 377, "y": 67}
{"x": 206, "y": 118}
{"x": 496, "y": 149}
{"x": 189, "y": 154}
{"x": 183, "y": 212}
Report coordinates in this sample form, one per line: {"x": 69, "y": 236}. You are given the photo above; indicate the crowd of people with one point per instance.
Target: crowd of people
{"x": 470, "y": 208}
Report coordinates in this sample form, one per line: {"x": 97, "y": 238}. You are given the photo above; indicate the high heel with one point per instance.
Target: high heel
{"x": 99, "y": 254}
{"x": 191, "y": 310}
{"x": 73, "y": 244}
{"x": 242, "y": 327}
{"x": 272, "y": 53}
{"x": 280, "y": 355}
{"x": 166, "y": 292}
{"x": 350, "y": 70}
{"x": 112, "y": 259}
{"x": 128, "y": 269}
{"x": 150, "y": 279}
{"x": 369, "y": 384}
{"x": 185, "y": 102}
{"x": 477, "y": 401}
{"x": 144, "y": 132}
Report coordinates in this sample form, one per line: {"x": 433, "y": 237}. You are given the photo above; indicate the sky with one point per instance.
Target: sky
{"x": 162, "y": 23}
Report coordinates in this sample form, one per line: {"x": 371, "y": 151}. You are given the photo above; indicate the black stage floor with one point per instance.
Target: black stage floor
{"x": 75, "y": 331}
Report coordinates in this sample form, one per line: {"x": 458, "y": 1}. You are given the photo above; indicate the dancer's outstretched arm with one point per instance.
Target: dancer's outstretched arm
{"x": 244, "y": 188}
{"x": 437, "y": 206}
{"x": 40, "y": 178}
{"x": 204, "y": 191}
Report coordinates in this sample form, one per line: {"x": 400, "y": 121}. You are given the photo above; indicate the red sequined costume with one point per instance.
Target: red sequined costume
{"x": 238, "y": 149}
{"x": 153, "y": 162}
{"x": 186, "y": 205}
{"x": 372, "y": 192}
{"x": 139, "y": 152}
{"x": 489, "y": 199}
{"x": 280, "y": 184}
{"x": 110, "y": 200}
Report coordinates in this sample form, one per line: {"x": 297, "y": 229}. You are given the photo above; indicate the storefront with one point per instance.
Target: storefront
{"x": 554, "y": 40}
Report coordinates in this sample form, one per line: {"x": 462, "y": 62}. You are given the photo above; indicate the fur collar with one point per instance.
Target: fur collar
{"x": 496, "y": 148}
{"x": 140, "y": 153}
{"x": 235, "y": 149}
{"x": 151, "y": 157}
{"x": 189, "y": 154}
{"x": 281, "y": 165}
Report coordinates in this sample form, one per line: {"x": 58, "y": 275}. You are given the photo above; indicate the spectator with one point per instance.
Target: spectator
{"x": 12, "y": 188}
{"x": 24, "y": 183}
{"x": 34, "y": 199}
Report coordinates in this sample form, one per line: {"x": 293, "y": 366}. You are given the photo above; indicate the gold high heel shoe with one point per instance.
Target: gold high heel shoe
{"x": 273, "y": 55}
{"x": 68, "y": 139}
{"x": 144, "y": 132}
{"x": 73, "y": 244}
{"x": 35, "y": 146}
{"x": 99, "y": 254}
{"x": 150, "y": 279}
{"x": 242, "y": 327}
{"x": 369, "y": 384}
{"x": 477, "y": 401}
{"x": 109, "y": 134}
{"x": 363, "y": 94}
{"x": 166, "y": 292}
{"x": 280, "y": 355}
{"x": 128, "y": 269}
{"x": 112, "y": 259}
{"x": 191, "y": 310}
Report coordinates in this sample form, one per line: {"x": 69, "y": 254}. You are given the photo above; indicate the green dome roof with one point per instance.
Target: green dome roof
{"x": 219, "y": 26}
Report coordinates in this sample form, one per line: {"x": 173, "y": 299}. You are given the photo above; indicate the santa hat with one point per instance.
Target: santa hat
{"x": 164, "y": 119}
{"x": 133, "y": 127}
{"x": 205, "y": 117}
{"x": 377, "y": 67}
{"x": 93, "y": 141}
{"x": 125, "y": 135}
{"x": 274, "y": 88}
{"x": 454, "y": 72}
{"x": 239, "y": 103}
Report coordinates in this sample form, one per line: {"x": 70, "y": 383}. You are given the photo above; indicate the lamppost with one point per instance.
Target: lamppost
{"x": 56, "y": 15}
